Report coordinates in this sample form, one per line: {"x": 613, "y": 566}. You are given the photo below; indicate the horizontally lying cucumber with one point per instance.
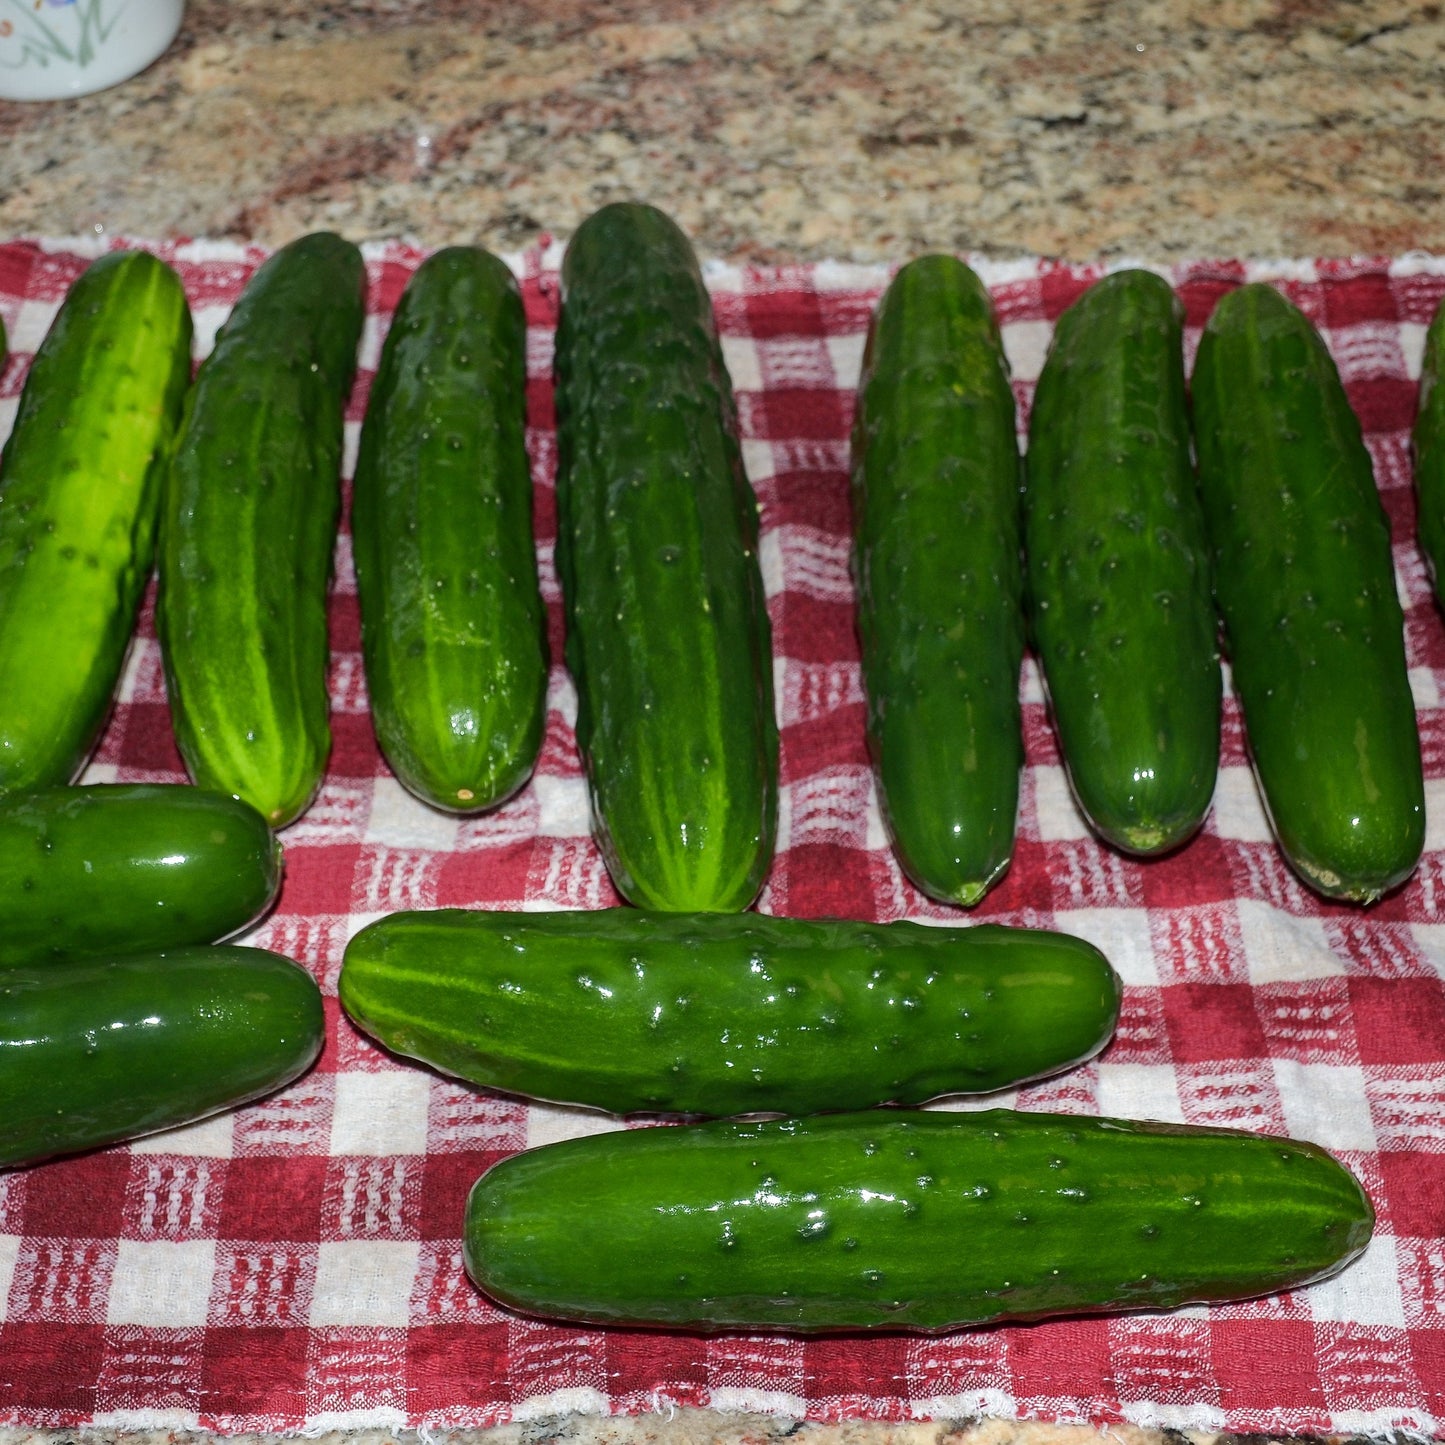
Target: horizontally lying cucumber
{"x": 248, "y": 528}
{"x": 97, "y": 1050}
{"x": 937, "y": 533}
{"x": 1118, "y": 567}
{"x": 79, "y": 490}
{"x": 1429, "y": 443}
{"x": 726, "y": 1014}
{"x": 657, "y": 538}
{"x": 120, "y": 868}
{"x": 905, "y": 1220}
{"x": 1306, "y": 584}
{"x": 452, "y": 623}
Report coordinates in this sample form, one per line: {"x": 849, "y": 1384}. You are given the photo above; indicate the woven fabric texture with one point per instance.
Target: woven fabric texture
{"x": 296, "y": 1264}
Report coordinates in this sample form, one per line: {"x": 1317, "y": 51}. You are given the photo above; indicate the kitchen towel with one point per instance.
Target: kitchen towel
{"x": 296, "y": 1265}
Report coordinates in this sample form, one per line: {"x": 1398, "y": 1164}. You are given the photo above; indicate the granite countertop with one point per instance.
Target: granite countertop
{"x": 797, "y": 129}
{"x": 684, "y": 1427}
{"x": 852, "y": 129}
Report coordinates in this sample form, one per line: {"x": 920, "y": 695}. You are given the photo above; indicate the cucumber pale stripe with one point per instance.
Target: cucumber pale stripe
{"x": 726, "y": 1013}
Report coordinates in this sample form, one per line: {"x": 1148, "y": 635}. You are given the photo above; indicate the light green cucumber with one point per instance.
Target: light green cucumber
{"x": 79, "y": 491}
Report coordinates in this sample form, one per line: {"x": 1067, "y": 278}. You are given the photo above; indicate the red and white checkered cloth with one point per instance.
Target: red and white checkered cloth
{"x": 297, "y": 1264}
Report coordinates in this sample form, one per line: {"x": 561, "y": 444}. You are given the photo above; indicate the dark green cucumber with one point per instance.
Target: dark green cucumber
{"x": 248, "y": 527}
{"x": 905, "y": 1220}
{"x": 120, "y": 868}
{"x": 452, "y": 622}
{"x": 726, "y": 1013}
{"x": 1306, "y": 584}
{"x": 937, "y": 534}
{"x": 1429, "y": 443}
{"x": 657, "y": 532}
{"x": 1118, "y": 567}
{"x": 97, "y": 1050}
{"x": 79, "y": 490}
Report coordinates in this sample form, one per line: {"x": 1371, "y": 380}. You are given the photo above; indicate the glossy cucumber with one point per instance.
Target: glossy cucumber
{"x": 129, "y": 867}
{"x": 937, "y": 533}
{"x": 657, "y": 534}
{"x": 905, "y": 1220}
{"x": 452, "y": 622}
{"x": 248, "y": 528}
{"x": 1118, "y": 567}
{"x": 1306, "y": 584}
{"x": 1429, "y": 443}
{"x": 79, "y": 491}
{"x": 97, "y": 1050}
{"x": 726, "y": 1014}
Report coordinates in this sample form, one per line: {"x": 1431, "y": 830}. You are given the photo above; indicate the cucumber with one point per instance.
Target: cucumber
{"x": 120, "y": 868}
{"x": 657, "y": 536}
{"x": 1306, "y": 584}
{"x": 79, "y": 491}
{"x": 937, "y": 533}
{"x": 452, "y": 624}
{"x": 1429, "y": 446}
{"x": 248, "y": 527}
{"x": 97, "y": 1050}
{"x": 905, "y": 1220}
{"x": 726, "y": 1014}
{"x": 1118, "y": 567}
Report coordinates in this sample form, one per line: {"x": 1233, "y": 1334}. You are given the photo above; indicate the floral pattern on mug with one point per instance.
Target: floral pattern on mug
{"x": 42, "y": 44}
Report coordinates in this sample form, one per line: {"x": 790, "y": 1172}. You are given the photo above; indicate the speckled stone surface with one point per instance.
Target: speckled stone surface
{"x": 860, "y": 129}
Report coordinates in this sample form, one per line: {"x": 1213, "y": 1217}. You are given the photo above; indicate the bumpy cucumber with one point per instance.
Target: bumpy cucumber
{"x": 97, "y": 1050}
{"x": 79, "y": 490}
{"x": 1306, "y": 585}
{"x": 248, "y": 528}
{"x": 1118, "y": 567}
{"x": 667, "y": 625}
{"x": 1429, "y": 440}
{"x": 452, "y": 623}
{"x": 936, "y": 564}
{"x": 726, "y": 1014}
{"x": 116, "y": 868}
{"x": 905, "y": 1221}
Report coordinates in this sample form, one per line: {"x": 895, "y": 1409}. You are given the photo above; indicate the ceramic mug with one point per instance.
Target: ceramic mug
{"x": 50, "y": 49}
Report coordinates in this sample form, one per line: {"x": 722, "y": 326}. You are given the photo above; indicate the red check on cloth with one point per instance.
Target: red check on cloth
{"x": 296, "y": 1265}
